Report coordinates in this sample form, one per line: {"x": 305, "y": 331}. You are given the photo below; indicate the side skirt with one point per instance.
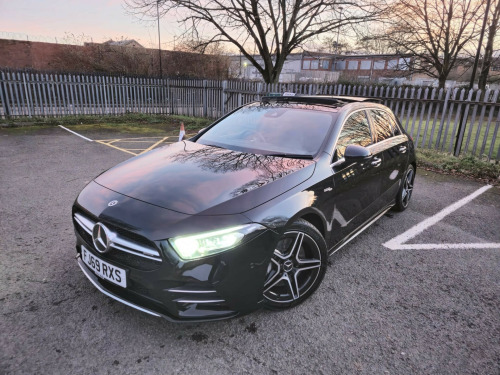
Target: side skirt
{"x": 353, "y": 235}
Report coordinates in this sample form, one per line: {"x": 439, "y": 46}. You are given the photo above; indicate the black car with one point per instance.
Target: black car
{"x": 246, "y": 213}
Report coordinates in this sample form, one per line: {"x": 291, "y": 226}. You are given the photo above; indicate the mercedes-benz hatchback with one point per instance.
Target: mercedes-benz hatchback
{"x": 246, "y": 213}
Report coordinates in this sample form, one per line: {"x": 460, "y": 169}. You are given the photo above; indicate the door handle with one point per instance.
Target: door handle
{"x": 376, "y": 162}
{"x": 402, "y": 149}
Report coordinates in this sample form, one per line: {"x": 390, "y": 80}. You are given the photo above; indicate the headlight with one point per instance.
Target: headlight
{"x": 209, "y": 243}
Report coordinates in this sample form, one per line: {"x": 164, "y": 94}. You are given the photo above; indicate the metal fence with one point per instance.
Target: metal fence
{"x": 430, "y": 115}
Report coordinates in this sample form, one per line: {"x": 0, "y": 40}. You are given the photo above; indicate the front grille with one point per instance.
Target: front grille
{"x": 123, "y": 247}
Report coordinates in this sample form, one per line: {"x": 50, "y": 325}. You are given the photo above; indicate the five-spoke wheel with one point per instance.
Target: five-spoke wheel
{"x": 406, "y": 189}
{"x": 297, "y": 266}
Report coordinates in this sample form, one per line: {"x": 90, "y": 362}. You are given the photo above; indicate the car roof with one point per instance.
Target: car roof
{"x": 329, "y": 100}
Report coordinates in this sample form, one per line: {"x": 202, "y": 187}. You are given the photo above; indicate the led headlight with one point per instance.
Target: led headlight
{"x": 209, "y": 243}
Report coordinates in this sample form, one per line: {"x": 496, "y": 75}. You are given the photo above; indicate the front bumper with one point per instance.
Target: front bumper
{"x": 213, "y": 288}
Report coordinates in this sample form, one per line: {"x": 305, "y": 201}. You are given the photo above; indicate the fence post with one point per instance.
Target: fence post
{"x": 458, "y": 119}
{"x": 450, "y": 114}
{"x": 224, "y": 97}
{"x": 27, "y": 93}
{"x": 205, "y": 98}
{"x": 170, "y": 104}
{"x": 481, "y": 119}
{"x": 443, "y": 117}
{"x": 3, "y": 97}
{"x": 429, "y": 113}
{"x": 488, "y": 123}
{"x": 19, "y": 102}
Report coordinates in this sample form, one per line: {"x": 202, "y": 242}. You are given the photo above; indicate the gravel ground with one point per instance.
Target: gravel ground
{"x": 378, "y": 311}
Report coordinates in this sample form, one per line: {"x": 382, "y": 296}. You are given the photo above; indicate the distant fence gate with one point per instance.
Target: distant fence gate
{"x": 431, "y": 116}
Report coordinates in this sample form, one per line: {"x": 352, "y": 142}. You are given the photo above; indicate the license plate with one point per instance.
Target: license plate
{"x": 103, "y": 269}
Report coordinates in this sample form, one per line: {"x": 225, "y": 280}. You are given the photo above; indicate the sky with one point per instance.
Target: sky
{"x": 97, "y": 20}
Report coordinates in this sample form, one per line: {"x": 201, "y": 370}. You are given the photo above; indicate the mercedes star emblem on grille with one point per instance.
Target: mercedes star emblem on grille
{"x": 101, "y": 238}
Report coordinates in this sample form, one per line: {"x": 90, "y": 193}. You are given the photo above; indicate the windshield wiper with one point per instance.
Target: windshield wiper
{"x": 292, "y": 156}
{"x": 206, "y": 144}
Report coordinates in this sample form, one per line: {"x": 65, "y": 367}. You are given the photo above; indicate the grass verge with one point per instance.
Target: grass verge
{"x": 467, "y": 166}
{"x": 96, "y": 119}
{"x": 130, "y": 123}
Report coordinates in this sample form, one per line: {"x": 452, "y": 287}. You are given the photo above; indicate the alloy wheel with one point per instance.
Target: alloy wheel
{"x": 294, "y": 268}
{"x": 407, "y": 188}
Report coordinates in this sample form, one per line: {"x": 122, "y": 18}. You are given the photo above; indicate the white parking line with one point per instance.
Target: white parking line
{"x": 75, "y": 133}
{"x": 399, "y": 242}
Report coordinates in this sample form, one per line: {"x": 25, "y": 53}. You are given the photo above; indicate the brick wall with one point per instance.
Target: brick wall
{"x": 99, "y": 58}
{"x": 22, "y": 54}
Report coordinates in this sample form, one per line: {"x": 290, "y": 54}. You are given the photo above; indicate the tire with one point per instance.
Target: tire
{"x": 297, "y": 267}
{"x": 406, "y": 190}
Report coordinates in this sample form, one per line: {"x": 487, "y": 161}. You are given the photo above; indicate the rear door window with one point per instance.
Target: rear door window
{"x": 384, "y": 125}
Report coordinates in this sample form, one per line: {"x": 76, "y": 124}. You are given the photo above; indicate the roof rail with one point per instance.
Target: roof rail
{"x": 355, "y": 99}
{"x": 318, "y": 99}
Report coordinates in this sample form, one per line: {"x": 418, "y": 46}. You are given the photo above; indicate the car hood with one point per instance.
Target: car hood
{"x": 192, "y": 178}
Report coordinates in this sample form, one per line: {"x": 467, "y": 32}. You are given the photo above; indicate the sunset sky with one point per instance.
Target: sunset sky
{"x": 97, "y": 19}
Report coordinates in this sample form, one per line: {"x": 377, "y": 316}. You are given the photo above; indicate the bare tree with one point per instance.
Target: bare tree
{"x": 329, "y": 44}
{"x": 213, "y": 64}
{"x": 436, "y": 32}
{"x": 201, "y": 46}
{"x": 274, "y": 28}
{"x": 81, "y": 56}
{"x": 493, "y": 29}
{"x": 366, "y": 42}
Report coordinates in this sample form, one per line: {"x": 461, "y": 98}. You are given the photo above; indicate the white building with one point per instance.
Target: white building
{"x": 241, "y": 67}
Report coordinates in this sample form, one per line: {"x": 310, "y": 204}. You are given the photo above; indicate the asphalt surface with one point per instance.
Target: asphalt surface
{"x": 378, "y": 311}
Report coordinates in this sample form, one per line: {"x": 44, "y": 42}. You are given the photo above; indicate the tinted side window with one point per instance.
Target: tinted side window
{"x": 383, "y": 124}
{"x": 356, "y": 131}
{"x": 397, "y": 129}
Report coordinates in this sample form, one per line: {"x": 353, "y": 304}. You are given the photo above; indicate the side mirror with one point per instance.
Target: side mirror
{"x": 201, "y": 130}
{"x": 354, "y": 153}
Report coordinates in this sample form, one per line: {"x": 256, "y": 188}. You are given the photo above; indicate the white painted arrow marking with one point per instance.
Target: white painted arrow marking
{"x": 399, "y": 242}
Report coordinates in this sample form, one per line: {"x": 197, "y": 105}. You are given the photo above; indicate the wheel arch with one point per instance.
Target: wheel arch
{"x": 280, "y": 215}
{"x": 314, "y": 217}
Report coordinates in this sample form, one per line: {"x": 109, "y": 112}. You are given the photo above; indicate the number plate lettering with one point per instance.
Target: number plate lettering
{"x": 104, "y": 269}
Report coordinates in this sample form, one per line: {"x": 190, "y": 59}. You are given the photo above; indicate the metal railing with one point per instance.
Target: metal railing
{"x": 431, "y": 116}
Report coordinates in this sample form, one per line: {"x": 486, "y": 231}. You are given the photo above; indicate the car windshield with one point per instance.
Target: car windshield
{"x": 291, "y": 131}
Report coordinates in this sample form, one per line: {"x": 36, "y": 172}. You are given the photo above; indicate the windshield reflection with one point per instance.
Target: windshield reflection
{"x": 274, "y": 129}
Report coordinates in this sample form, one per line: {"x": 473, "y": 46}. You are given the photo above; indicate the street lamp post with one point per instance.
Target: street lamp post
{"x": 159, "y": 41}
{"x": 337, "y": 43}
{"x": 463, "y": 120}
